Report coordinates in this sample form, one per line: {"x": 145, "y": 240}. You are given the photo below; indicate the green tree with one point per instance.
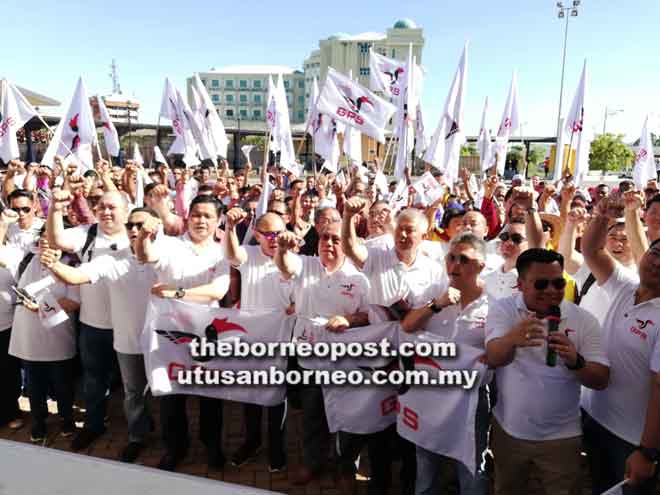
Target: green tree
{"x": 258, "y": 141}
{"x": 609, "y": 153}
{"x": 469, "y": 150}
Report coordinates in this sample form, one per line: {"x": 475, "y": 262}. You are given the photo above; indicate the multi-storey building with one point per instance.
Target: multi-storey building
{"x": 240, "y": 91}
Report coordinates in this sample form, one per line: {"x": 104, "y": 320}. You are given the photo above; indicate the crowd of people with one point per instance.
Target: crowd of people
{"x": 558, "y": 286}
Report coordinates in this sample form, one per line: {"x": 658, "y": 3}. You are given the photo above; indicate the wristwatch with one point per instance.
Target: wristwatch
{"x": 651, "y": 454}
{"x": 435, "y": 308}
{"x": 179, "y": 293}
{"x": 579, "y": 363}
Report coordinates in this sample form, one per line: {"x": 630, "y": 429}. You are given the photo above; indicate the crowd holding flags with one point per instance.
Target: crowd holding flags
{"x": 15, "y": 111}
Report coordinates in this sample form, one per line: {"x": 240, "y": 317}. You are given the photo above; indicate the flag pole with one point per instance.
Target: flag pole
{"x": 567, "y": 161}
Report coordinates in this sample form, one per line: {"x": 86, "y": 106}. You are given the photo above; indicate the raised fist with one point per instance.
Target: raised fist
{"x": 150, "y": 227}
{"x": 578, "y": 216}
{"x": 61, "y": 199}
{"x": 234, "y": 217}
{"x": 287, "y": 241}
{"x": 354, "y": 205}
{"x": 48, "y": 257}
{"x": 633, "y": 200}
{"x": 8, "y": 216}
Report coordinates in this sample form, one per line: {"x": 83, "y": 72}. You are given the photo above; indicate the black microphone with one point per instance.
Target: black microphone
{"x": 553, "y": 316}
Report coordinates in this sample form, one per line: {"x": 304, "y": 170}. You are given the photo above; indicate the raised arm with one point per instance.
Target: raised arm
{"x": 236, "y": 254}
{"x": 146, "y": 251}
{"x": 573, "y": 260}
{"x": 356, "y": 252}
{"x": 55, "y": 221}
{"x": 69, "y": 275}
{"x": 600, "y": 262}
{"x": 639, "y": 243}
{"x": 284, "y": 258}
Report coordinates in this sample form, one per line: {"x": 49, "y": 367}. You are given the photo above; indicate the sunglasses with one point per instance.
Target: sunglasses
{"x": 130, "y": 225}
{"x": 461, "y": 258}
{"x": 543, "y": 283}
{"x": 22, "y": 209}
{"x": 515, "y": 238}
{"x": 271, "y": 236}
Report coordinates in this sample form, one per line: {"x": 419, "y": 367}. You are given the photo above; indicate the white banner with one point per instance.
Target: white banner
{"x": 429, "y": 188}
{"x": 442, "y": 419}
{"x": 171, "y": 326}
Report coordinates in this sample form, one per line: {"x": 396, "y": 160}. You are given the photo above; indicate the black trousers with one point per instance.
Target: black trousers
{"x": 42, "y": 377}
{"x": 10, "y": 384}
{"x": 276, "y": 430}
{"x": 174, "y": 423}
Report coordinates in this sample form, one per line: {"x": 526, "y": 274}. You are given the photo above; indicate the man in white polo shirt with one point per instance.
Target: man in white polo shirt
{"x": 326, "y": 286}
{"x": 96, "y": 349}
{"x": 402, "y": 278}
{"x": 622, "y": 423}
{"x": 262, "y": 288}
{"x": 537, "y": 418}
{"x": 503, "y": 282}
{"x": 193, "y": 268}
{"x": 19, "y": 223}
{"x": 129, "y": 283}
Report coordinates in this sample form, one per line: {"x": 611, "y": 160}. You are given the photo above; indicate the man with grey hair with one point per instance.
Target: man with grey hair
{"x": 96, "y": 336}
{"x": 402, "y": 278}
{"x": 457, "y": 315}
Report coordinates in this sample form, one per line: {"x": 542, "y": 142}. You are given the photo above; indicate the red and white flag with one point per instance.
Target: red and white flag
{"x": 212, "y": 122}
{"x": 484, "y": 144}
{"x": 510, "y": 122}
{"x": 76, "y": 133}
{"x": 110, "y": 135}
{"x": 406, "y": 105}
{"x": 171, "y": 109}
{"x": 644, "y": 169}
{"x": 578, "y": 128}
{"x": 390, "y": 76}
{"x": 399, "y": 199}
{"x": 428, "y": 188}
{"x": 444, "y": 150}
{"x": 15, "y": 111}
{"x": 352, "y": 104}
{"x": 172, "y": 325}
{"x": 312, "y": 114}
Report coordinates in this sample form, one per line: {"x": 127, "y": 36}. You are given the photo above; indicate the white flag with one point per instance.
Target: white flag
{"x": 350, "y": 103}
{"x": 484, "y": 142}
{"x": 578, "y": 127}
{"x": 390, "y": 75}
{"x": 429, "y": 188}
{"x": 403, "y": 121}
{"x": 353, "y": 145}
{"x": 246, "y": 149}
{"x": 326, "y": 143}
{"x": 399, "y": 199}
{"x": 76, "y": 133}
{"x": 184, "y": 142}
{"x": 137, "y": 156}
{"x": 510, "y": 122}
{"x": 283, "y": 134}
{"x": 110, "y": 135}
{"x": 644, "y": 169}
{"x": 444, "y": 150}
{"x": 421, "y": 141}
{"x": 15, "y": 111}
{"x": 312, "y": 114}
{"x": 158, "y": 156}
{"x": 212, "y": 122}
{"x": 50, "y": 312}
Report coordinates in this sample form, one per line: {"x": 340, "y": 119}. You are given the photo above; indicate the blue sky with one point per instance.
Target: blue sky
{"x": 54, "y": 42}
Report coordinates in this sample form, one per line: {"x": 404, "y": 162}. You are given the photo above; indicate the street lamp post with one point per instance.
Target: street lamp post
{"x": 563, "y": 12}
{"x": 237, "y": 143}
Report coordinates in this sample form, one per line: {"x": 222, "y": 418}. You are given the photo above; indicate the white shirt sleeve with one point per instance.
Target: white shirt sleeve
{"x": 655, "y": 356}
{"x": 97, "y": 269}
{"x": 590, "y": 339}
{"x": 501, "y": 317}
{"x": 77, "y": 236}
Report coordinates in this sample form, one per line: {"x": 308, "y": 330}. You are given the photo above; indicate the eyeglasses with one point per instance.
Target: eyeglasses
{"x": 543, "y": 283}
{"x": 130, "y": 225}
{"x": 271, "y": 236}
{"x": 22, "y": 209}
{"x": 515, "y": 238}
{"x": 461, "y": 258}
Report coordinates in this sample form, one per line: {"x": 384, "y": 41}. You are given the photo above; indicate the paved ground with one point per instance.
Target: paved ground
{"x": 253, "y": 474}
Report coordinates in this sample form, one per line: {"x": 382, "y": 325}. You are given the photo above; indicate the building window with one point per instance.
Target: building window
{"x": 393, "y": 53}
{"x": 229, "y": 83}
{"x": 216, "y": 99}
{"x": 287, "y": 84}
{"x": 364, "y": 71}
{"x": 243, "y": 99}
{"x": 301, "y": 100}
{"x": 242, "y": 84}
{"x": 243, "y": 113}
{"x": 257, "y": 99}
{"x": 301, "y": 84}
{"x": 256, "y": 114}
{"x": 289, "y": 99}
{"x": 229, "y": 112}
{"x": 364, "y": 47}
{"x": 229, "y": 98}
{"x": 301, "y": 115}
{"x": 256, "y": 84}
{"x": 215, "y": 83}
